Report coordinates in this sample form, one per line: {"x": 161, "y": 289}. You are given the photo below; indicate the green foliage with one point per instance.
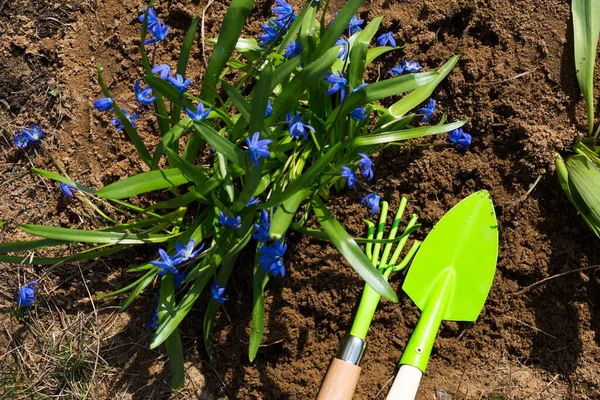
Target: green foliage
{"x": 215, "y": 173}
{"x": 579, "y": 173}
{"x": 586, "y": 27}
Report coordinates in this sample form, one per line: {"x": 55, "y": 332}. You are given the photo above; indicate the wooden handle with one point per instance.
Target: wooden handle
{"x": 406, "y": 384}
{"x": 340, "y": 381}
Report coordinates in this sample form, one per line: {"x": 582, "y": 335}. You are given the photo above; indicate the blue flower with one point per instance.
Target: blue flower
{"x": 163, "y": 71}
{"x": 153, "y": 323}
{"x": 358, "y": 114}
{"x": 28, "y": 136}
{"x": 293, "y": 49}
{"x": 338, "y": 83}
{"x": 27, "y": 295}
{"x": 21, "y": 141}
{"x": 103, "y": 104}
{"x": 199, "y": 115}
{"x": 143, "y": 96}
{"x": 284, "y": 11}
{"x": 67, "y": 190}
{"x": 166, "y": 264}
{"x": 258, "y": 148}
{"x": 186, "y": 253}
{"x": 178, "y": 278}
{"x": 428, "y": 110}
{"x": 386, "y": 38}
{"x": 354, "y": 25}
{"x": 372, "y": 201}
{"x": 461, "y": 138}
{"x": 397, "y": 70}
{"x": 269, "y": 109}
{"x": 272, "y": 258}
{"x": 253, "y": 201}
{"x": 130, "y": 117}
{"x": 179, "y": 83}
{"x": 152, "y": 19}
{"x": 366, "y": 166}
{"x": 362, "y": 85}
{"x": 344, "y": 50}
{"x": 228, "y": 222}
{"x": 271, "y": 32}
{"x": 159, "y": 31}
{"x": 297, "y": 127}
{"x": 411, "y": 66}
{"x": 349, "y": 176}
{"x": 217, "y": 292}
{"x": 262, "y": 228}
{"x": 405, "y": 66}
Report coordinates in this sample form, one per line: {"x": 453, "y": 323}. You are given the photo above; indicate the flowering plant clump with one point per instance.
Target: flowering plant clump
{"x": 298, "y": 122}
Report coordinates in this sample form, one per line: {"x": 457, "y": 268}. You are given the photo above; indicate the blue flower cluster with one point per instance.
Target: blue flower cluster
{"x": 229, "y": 222}
{"x": 460, "y": 138}
{"x": 27, "y": 294}
{"x": 155, "y": 27}
{"x": 365, "y": 165}
{"x": 28, "y": 136}
{"x": 405, "y": 66}
{"x": 271, "y": 260}
{"x": 183, "y": 254}
{"x": 258, "y": 148}
{"x": 372, "y": 201}
{"x": 297, "y": 127}
{"x": 67, "y": 190}
{"x": 275, "y": 27}
{"x": 217, "y": 293}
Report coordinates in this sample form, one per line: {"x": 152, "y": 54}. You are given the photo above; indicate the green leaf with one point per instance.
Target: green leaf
{"x": 336, "y": 29}
{"x": 149, "y": 274}
{"x": 380, "y": 90}
{"x": 144, "y": 182}
{"x": 417, "y": 96}
{"x": 129, "y": 129}
{"x": 149, "y": 277}
{"x": 213, "y": 306}
{"x": 60, "y": 178}
{"x": 196, "y": 175}
{"x": 166, "y": 308}
{"x": 258, "y": 308}
{"x": 182, "y": 63}
{"x": 29, "y": 245}
{"x": 358, "y": 54}
{"x": 586, "y": 27}
{"x": 405, "y": 134}
{"x": 309, "y": 76}
{"x": 230, "y": 31}
{"x": 375, "y": 52}
{"x": 170, "y": 137}
{"x": 307, "y": 179}
{"x": 96, "y": 236}
{"x": 351, "y": 252}
{"x": 221, "y": 144}
{"x": 167, "y": 326}
{"x": 584, "y": 187}
{"x": 285, "y": 213}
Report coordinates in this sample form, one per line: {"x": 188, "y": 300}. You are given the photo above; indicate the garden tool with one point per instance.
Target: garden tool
{"x": 342, "y": 376}
{"x": 449, "y": 280}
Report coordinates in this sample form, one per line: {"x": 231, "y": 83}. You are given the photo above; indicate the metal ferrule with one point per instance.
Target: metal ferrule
{"x": 352, "y": 349}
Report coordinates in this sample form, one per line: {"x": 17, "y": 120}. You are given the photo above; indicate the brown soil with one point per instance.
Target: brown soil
{"x": 514, "y": 82}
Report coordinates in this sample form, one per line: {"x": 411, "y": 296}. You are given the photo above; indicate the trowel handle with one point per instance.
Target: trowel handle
{"x": 342, "y": 375}
{"x": 406, "y": 384}
{"x": 340, "y": 381}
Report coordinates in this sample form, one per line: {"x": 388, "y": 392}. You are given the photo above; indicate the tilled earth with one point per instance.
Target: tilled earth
{"x": 515, "y": 83}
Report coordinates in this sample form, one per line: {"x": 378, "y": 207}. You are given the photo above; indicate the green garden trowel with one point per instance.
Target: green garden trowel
{"x": 449, "y": 279}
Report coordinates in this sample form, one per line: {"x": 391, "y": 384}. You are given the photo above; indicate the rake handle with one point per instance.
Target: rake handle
{"x": 340, "y": 381}
{"x": 406, "y": 384}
